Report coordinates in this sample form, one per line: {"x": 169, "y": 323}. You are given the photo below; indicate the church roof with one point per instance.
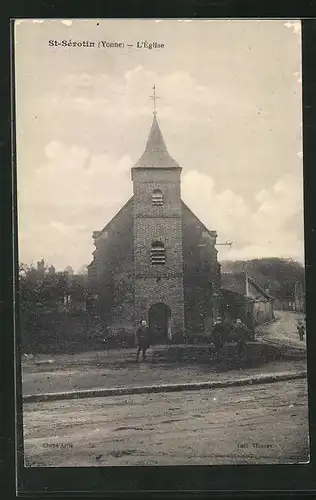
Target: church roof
{"x": 128, "y": 206}
{"x": 199, "y": 222}
{"x": 156, "y": 154}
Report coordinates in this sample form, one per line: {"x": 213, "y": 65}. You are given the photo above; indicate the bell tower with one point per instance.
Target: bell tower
{"x": 157, "y": 227}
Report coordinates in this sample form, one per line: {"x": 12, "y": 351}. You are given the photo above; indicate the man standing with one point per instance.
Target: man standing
{"x": 241, "y": 335}
{"x": 142, "y": 339}
{"x": 219, "y": 335}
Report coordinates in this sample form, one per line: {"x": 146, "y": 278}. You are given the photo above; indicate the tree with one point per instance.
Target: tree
{"x": 69, "y": 270}
{"x": 83, "y": 270}
{"x": 276, "y": 274}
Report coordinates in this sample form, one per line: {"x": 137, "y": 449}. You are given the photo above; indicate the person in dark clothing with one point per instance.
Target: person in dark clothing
{"x": 301, "y": 329}
{"x": 241, "y": 335}
{"x": 219, "y": 335}
{"x": 142, "y": 340}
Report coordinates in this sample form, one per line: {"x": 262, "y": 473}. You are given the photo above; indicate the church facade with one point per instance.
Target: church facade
{"x": 155, "y": 259}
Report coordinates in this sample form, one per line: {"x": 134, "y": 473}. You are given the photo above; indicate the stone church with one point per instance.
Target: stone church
{"x": 155, "y": 259}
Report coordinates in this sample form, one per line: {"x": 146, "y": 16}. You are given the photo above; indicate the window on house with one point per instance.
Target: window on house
{"x": 158, "y": 253}
{"x": 157, "y": 197}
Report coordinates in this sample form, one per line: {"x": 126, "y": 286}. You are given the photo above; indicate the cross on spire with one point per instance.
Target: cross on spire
{"x": 154, "y": 97}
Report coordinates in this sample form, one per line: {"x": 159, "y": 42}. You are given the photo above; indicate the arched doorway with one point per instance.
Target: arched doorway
{"x": 160, "y": 323}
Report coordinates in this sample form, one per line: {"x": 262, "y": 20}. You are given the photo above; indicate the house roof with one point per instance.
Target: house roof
{"x": 237, "y": 282}
{"x": 234, "y": 282}
{"x": 259, "y": 288}
{"x": 156, "y": 154}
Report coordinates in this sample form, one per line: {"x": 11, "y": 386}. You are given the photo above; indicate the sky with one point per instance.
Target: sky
{"x": 229, "y": 108}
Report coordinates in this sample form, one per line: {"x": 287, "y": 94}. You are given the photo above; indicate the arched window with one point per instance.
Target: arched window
{"x": 158, "y": 253}
{"x": 157, "y": 197}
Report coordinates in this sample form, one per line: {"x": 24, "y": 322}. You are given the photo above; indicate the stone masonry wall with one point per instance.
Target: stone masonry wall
{"x": 201, "y": 273}
{"x": 114, "y": 264}
{"x": 167, "y": 291}
{"x": 154, "y": 283}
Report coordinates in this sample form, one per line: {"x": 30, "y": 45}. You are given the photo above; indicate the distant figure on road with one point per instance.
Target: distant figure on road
{"x": 142, "y": 339}
{"x": 241, "y": 335}
{"x": 301, "y": 329}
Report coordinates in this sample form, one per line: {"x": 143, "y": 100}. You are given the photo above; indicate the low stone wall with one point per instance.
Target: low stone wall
{"x": 256, "y": 354}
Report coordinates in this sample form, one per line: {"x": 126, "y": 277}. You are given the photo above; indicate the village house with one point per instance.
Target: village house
{"x": 292, "y": 298}
{"x": 244, "y": 298}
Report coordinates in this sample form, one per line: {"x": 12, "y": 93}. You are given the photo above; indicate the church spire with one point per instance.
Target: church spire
{"x": 156, "y": 153}
{"x": 155, "y": 141}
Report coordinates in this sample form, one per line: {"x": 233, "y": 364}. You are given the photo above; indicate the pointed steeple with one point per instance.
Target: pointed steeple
{"x": 156, "y": 153}
{"x": 155, "y": 141}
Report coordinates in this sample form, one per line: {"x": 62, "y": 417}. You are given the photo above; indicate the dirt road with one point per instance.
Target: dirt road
{"x": 284, "y": 330}
{"x": 262, "y": 424}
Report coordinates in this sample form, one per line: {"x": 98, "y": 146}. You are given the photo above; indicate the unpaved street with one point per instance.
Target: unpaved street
{"x": 284, "y": 330}
{"x": 261, "y": 424}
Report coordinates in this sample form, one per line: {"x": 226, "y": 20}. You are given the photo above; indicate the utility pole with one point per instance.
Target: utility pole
{"x": 244, "y": 270}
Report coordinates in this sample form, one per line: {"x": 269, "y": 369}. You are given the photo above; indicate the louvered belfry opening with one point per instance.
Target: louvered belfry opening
{"x": 158, "y": 253}
{"x": 157, "y": 197}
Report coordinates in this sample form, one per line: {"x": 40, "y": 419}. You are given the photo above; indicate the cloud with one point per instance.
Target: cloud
{"x": 73, "y": 176}
{"x": 67, "y": 228}
{"x": 69, "y": 196}
{"x": 89, "y": 94}
{"x": 82, "y": 192}
{"x": 261, "y": 195}
{"x": 265, "y": 231}
{"x": 237, "y": 116}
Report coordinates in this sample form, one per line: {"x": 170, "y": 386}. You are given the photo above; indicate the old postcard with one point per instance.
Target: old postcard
{"x": 161, "y": 281}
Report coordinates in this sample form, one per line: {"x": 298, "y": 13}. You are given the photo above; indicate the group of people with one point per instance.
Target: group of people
{"x": 222, "y": 333}
{"x": 226, "y": 331}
